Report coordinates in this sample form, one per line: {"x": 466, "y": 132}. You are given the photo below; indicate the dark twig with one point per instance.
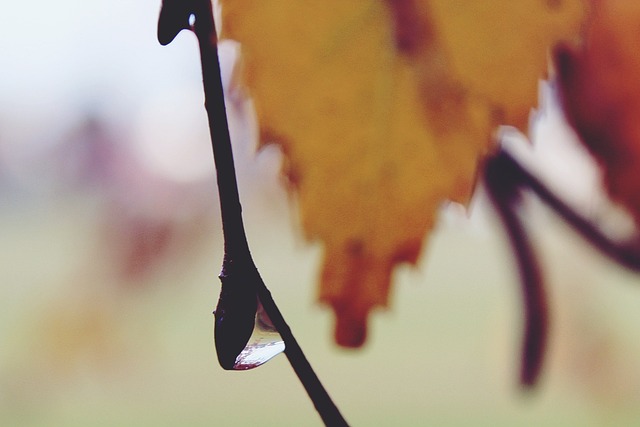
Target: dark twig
{"x": 505, "y": 178}
{"x": 503, "y": 181}
{"x": 241, "y": 282}
{"x": 625, "y": 253}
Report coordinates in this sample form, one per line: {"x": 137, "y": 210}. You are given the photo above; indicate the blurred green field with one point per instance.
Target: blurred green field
{"x": 80, "y": 350}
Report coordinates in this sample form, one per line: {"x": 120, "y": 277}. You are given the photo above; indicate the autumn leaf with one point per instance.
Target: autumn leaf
{"x": 383, "y": 111}
{"x": 600, "y": 87}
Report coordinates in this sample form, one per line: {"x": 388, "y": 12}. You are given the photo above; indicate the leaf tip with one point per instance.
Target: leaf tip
{"x": 351, "y": 327}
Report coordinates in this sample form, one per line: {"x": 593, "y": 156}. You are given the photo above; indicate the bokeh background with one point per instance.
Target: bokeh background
{"x": 110, "y": 246}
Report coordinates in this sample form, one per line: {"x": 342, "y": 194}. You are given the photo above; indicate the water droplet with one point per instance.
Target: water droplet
{"x": 264, "y": 344}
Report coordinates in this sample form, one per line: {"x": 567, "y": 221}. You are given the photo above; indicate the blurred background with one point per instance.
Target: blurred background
{"x": 110, "y": 247}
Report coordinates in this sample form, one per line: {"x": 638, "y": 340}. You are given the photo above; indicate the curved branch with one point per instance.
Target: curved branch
{"x": 625, "y": 253}
{"x": 503, "y": 179}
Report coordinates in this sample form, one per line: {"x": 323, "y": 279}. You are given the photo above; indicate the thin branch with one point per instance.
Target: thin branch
{"x": 625, "y": 253}
{"x": 241, "y": 282}
{"x": 503, "y": 182}
{"x": 505, "y": 179}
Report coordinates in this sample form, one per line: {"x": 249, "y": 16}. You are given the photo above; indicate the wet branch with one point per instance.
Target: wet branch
{"x": 241, "y": 282}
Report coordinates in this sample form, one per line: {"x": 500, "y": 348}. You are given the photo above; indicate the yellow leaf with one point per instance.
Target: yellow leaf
{"x": 383, "y": 111}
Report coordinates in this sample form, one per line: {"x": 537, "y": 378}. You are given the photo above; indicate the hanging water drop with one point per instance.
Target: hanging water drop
{"x": 264, "y": 343}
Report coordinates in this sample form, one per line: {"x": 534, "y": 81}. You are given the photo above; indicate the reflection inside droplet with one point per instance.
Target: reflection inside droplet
{"x": 265, "y": 343}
